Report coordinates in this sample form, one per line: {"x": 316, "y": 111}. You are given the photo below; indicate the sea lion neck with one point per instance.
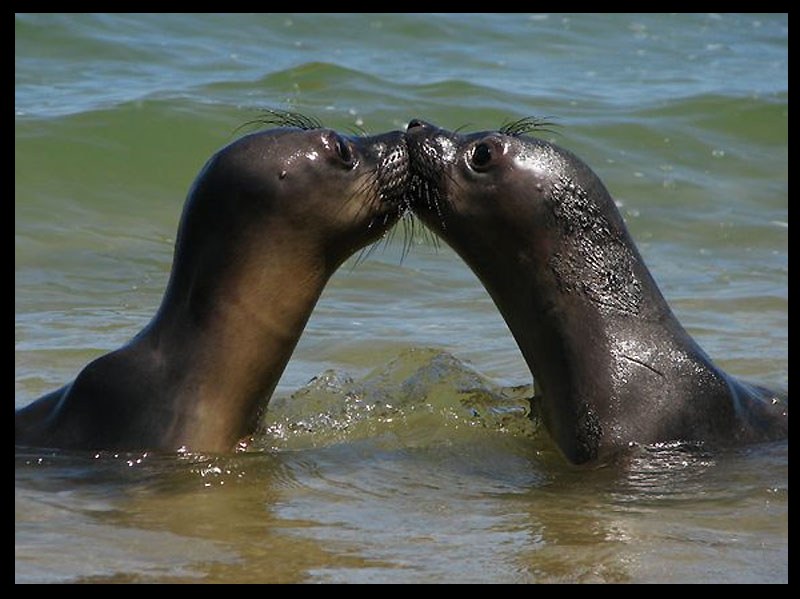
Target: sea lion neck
{"x": 595, "y": 330}
{"x": 223, "y": 351}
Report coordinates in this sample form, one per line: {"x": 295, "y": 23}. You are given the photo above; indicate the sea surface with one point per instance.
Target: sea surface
{"x": 397, "y": 447}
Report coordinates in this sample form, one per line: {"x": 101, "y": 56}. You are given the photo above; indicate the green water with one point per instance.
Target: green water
{"x": 409, "y": 458}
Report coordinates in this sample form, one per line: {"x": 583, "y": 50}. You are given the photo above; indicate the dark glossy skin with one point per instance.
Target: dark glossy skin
{"x": 612, "y": 363}
{"x": 266, "y": 223}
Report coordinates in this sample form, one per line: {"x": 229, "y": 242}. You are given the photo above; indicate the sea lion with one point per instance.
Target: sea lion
{"x": 611, "y": 361}
{"x": 268, "y": 220}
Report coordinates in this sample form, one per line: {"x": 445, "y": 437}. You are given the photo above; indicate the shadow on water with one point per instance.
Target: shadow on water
{"x": 422, "y": 470}
{"x": 146, "y": 518}
{"x": 671, "y": 513}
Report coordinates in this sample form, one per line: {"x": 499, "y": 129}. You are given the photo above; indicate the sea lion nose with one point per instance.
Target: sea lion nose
{"x": 417, "y": 124}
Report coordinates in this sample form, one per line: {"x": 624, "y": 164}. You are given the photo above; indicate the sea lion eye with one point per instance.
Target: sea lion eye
{"x": 343, "y": 150}
{"x": 481, "y": 156}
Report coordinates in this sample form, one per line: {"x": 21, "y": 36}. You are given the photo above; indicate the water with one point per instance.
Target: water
{"x": 409, "y": 458}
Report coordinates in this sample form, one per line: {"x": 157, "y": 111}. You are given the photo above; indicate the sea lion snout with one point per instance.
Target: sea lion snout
{"x": 392, "y": 166}
{"x": 417, "y": 125}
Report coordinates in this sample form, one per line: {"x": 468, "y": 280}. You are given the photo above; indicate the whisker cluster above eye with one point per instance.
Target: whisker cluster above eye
{"x": 288, "y": 118}
{"x": 282, "y": 118}
{"x": 528, "y": 124}
{"x": 357, "y": 130}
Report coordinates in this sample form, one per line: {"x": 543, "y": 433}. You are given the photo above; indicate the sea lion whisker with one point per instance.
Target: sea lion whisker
{"x": 438, "y": 199}
{"x": 408, "y": 238}
{"x": 363, "y": 254}
{"x": 367, "y": 251}
{"x": 357, "y": 130}
{"x": 412, "y": 227}
{"x": 290, "y": 118}
{"x": 282, "y": 118}
{"x": 528, "y": 124}
{"x": 366, "y": 186}
{"x": 409, "y": 231}
{"x": 372, "y": 187}
{"x": 253, "y": 122}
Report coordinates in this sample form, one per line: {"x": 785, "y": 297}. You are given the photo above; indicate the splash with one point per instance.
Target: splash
{"x": 422, "y": 397}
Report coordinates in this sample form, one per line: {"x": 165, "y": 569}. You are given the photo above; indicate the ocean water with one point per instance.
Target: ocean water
{"x": 396, "y": 447}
